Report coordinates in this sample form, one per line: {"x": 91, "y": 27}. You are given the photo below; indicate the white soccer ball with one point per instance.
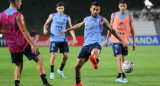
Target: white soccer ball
{"x": 128, "y": 66}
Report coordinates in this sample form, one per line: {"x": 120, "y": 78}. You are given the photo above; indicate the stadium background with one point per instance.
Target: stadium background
{"x": 36, "y": 12}
{"x": 146, "y": 56}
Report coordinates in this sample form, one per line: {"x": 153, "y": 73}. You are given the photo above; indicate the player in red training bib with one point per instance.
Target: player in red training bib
{"x": 19, "y": 41}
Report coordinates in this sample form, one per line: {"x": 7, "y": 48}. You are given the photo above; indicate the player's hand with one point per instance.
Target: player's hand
{"x": 134, "y": 46}
{"x": 125, "y": 45}
{"x": 34, "y": 49}
{"x": 45, "y": 31}
{"x": 64, "y": 31}
{"x": 106, "y": 43}
{"x": 74, "y": 40}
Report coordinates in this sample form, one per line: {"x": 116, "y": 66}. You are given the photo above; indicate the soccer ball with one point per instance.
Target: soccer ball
{"x": 128, "y": 66}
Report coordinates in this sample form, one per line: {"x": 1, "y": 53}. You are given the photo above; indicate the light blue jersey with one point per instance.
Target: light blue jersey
{"x": 58, "y": 24}
{"x": 93, "y": 30}
{"x": 122, "y": 16}
{"x": 10, "y": 11}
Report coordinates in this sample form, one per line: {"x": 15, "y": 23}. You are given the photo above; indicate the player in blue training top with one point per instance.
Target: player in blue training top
{"x": 92, "y": 44}
{"x": 59, "y": 22}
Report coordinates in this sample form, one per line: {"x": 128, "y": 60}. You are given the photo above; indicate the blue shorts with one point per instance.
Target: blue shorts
{"x": 119, "y": 49}
{"x": 18, "y": 57}
{"x": 63, "y": 47}
{"x": 86, "y": 50}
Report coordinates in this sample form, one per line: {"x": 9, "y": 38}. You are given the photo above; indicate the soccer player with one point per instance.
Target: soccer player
{"x": 92, "y": 43}
{"x": 59, "y": 21}
{"x": 19, "y": 41}
{"x": 122, "y": 22}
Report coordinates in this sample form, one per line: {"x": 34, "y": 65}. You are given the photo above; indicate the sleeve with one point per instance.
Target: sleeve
{"x": 0, "y": 16}
{"x": 113, "y": 16}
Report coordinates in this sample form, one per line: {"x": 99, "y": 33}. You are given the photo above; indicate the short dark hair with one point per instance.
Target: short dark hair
{"x": 122, "y": 2}
{"x": 96, "y": 3}
{"x": 11, "y": 1}
{"x": 59, "y": 4}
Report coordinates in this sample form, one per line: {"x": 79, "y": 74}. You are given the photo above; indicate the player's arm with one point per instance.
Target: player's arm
{"x": 72, "y": 31}
{"x": 74, "y": 27}
{"x": 22, "y": 27}
{"x": 106, "y": 23}
{"x": 108, "y": 32}
{"x": 133, "y": 34}
{"x": 46, "y": 24}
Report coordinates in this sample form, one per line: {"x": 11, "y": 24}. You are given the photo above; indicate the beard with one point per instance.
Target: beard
{"x": 94, "y": 15}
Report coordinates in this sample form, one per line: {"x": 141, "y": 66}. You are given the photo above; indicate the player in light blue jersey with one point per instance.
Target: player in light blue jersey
{"x": 59, "y": 22}
{"x": 92, "y": 44}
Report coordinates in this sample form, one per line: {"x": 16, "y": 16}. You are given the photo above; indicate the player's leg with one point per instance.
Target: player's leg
{"x": 94, "y": 57}
{"x": 123, "y": 74}
{"x": 41, "y": 70}
{"x": 17, "y": 58}
{"x": 17, "y": 73}
{"x": 120, "y": 71}
{"x": 63, "y": 62}
{"x": 117, "y": 49}
{"x": 82, "y": 58}
{"x": 123, "y": 59}
{"x": 124, "y": 53}
{"x": 52, "y": 63}
{"x": 53, "y": 51}
{"x": 39, "y": 61}
{"x": 119, "y": 64}
{"x": 64, "y": 48}
{"x": 80, "y": 62}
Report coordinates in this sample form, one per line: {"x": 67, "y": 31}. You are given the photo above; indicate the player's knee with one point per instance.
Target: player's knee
{"x": 77, "y": 67}
{"x": 119, "y": 59}
{"x": 19, "y": 64}
{"x": 66, "y": 56}
{"x": 53, "y": 55}
{"x": 95, "y": 53}
{"x": 38, "y": 59}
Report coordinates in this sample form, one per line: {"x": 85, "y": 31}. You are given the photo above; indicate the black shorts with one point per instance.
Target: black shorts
{"x": 63, "y": 47}
{"x": 18, "y": 57}
{"x": 86, "y": 50}
{"x": 119, "y": 49}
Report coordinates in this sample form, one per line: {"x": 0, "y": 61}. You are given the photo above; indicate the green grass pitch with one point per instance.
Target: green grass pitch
{"x": 145, "y": 58}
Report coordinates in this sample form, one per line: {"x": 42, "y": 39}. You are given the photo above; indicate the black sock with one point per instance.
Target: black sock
{"x": 119, "y": 75}
{"x": 97, "y": 61}
{"x": 123, "y": 75}
{"x": 61, "y": 67}
{"x": 78, "y": 80}
{"x": 52, "y": 68}
{"x": 44, "y": 79}
{"x": 17, "y": 83}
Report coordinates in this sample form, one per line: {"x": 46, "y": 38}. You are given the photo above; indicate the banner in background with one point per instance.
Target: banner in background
{"x": 140, "y": 40}
{"x": 44, "y": 41}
